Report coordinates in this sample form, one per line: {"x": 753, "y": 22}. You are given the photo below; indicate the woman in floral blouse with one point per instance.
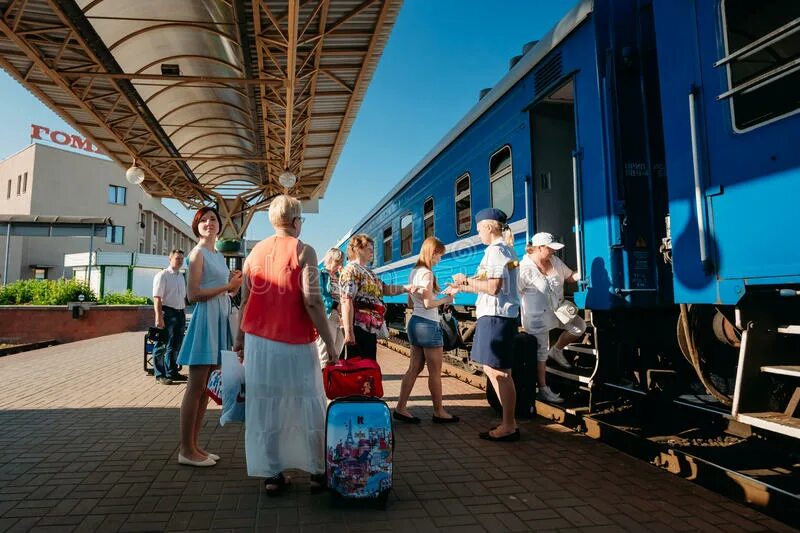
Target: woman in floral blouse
{"x": 361, "y": 293}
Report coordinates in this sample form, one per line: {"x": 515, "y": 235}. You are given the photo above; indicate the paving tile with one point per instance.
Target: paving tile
{"x": 101, "y": 456}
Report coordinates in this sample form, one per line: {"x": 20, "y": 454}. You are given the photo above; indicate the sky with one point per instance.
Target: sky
{"x": 440, "y": 54}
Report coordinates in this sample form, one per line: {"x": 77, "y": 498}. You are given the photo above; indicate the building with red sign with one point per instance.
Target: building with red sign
{"x": 51, "y": 180}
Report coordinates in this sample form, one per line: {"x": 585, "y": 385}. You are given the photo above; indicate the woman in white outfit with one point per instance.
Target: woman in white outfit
{"x": 282, "y": 312}
{"x": 541, "y": 281}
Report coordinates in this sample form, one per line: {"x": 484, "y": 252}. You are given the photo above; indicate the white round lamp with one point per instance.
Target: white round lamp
{"x": 287, "y": 179}
{"x": 134, "y": 175}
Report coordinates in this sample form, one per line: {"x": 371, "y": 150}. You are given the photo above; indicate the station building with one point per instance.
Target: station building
{"x": 48, "y": 181}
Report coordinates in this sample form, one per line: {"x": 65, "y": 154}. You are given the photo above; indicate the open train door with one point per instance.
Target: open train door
{"x": 553, "y": 145}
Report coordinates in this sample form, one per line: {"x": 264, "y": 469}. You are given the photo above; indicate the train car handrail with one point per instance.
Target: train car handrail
{"x": 577, "y": 205}
{"x": 764, "y": 79}
{"x": 698, "y": 189}
{"x": 759, "y": 44}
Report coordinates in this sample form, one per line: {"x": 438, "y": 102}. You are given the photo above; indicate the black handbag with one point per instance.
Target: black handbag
{"x": 155, "y": 334}
{"x": 451, "y": 335}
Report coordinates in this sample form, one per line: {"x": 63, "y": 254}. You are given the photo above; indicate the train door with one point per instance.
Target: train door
{"x": 553, "y": 144}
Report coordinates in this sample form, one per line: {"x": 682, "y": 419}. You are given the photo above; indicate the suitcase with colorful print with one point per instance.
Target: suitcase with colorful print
{"x": 359, "y": 449}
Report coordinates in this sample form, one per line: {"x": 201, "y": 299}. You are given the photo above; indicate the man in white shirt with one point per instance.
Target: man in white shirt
{"x": 169, "y": 301}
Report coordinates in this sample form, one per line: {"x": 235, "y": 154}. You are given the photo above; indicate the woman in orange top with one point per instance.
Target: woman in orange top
{"x": 282, "y": 306}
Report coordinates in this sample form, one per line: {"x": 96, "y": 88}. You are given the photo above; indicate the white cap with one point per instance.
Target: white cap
{"x": 546, "y": 239}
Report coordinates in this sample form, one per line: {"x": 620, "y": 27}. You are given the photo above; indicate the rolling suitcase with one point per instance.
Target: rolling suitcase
{"x": 523, "y": 372}
{"x": 359, "y": 449}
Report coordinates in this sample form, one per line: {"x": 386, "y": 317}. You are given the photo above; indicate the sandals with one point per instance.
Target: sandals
{"x": 274, "y": 485}
{"x": 510, "y": 437}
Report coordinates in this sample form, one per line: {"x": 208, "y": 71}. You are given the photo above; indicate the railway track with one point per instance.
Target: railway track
{"x": 698, "y": 444}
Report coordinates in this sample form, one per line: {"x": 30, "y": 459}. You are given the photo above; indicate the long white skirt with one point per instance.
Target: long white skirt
{"x": 285, "y": 407}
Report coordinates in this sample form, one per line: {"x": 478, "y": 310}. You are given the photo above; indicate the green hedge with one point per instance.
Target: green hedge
{"x": 45, "y": 292}
{"x": 124, "y": 298}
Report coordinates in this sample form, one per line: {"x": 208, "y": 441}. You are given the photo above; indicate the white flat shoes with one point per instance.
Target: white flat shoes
{"x": 208, "y": 461}
{"x": 213, "y": 456}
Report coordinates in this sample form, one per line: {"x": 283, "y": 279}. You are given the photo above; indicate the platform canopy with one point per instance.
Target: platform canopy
{"x": 213, "y": 99}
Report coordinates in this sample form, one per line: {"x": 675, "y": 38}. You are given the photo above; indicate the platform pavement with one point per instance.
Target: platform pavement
{"x": 89, "y": 443}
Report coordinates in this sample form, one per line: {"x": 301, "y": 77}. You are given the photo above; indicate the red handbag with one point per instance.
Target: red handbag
{"x": 355, "y": 376}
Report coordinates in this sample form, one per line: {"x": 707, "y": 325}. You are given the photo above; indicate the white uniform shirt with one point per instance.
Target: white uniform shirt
{"x": 170, "y": 286}
{"x": 416, "y": 279}
{"x": 541, "y": 295}
{"x": 499, "y": 261}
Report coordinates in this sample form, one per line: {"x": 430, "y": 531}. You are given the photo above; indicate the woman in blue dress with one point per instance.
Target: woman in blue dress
{"x": 210, "y": 282}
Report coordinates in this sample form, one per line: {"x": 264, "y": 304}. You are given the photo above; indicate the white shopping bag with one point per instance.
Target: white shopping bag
{"x": 232, "y": 389}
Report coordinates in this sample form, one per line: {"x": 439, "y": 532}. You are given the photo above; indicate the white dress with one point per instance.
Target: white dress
{"x": 285, "y": 411}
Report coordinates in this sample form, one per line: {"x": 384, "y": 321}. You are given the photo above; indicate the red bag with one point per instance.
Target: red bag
{"x": 355, "y": 376}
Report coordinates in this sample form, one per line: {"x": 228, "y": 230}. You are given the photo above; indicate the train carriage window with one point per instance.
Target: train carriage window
{"x": 387, "y": 245}
{"x": 406, "y": 234}
{"x": 463, "y": 205}
{"x": 501, "y": 183}
{"x": 427, "y": 218}
{"x": 762, "y": 44}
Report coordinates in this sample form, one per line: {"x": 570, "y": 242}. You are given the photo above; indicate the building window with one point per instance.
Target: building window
{"x": 19, "y": 184}
{"x": 427, "y": 218}
{"x": 406, "y": 234}
{"x": 387, "y": 245}
{"x": 115, "y": 234}
{"x": 39, "y": 273}
{"x": 24, "y": 183}
{"x": 761, "y": 61}
{"x": 116, "y": 195}
{"x": 8, "y": 193}
{"x": 463, "y": 205}
{"x": 501, "y": 183}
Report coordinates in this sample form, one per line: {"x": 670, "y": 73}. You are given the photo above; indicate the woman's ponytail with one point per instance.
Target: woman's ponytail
{"x": 508, "y": 236}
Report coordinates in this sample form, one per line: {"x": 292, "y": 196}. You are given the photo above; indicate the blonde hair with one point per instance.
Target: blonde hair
{"x": 358, "y": 242}
{"x": 334, "y": 255}
{"x": 502, "y": 229}
{"x": 430, "y": 247}
{"x": 283, "y": 210}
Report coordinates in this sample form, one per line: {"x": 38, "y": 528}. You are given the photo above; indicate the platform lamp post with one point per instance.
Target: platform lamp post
{"x": 89, "y": 263}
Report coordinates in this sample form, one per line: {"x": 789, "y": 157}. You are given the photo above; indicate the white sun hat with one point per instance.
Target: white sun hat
{"x": 546, "y": 239}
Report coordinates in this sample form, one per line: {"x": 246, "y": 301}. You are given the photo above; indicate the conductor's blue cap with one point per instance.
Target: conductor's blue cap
{"x": 490, "y": 213}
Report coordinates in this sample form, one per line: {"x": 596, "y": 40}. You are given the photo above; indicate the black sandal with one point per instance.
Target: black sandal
{"x": 274, "y": 485}
{"x": 317, "y": 483}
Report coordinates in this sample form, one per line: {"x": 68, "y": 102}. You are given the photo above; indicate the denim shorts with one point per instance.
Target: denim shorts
{"x": 424, "y": 333}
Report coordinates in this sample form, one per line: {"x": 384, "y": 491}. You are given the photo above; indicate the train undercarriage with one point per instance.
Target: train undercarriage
{"x": 699, "y": 384}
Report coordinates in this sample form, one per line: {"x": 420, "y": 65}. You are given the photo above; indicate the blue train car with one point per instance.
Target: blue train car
{"x": 654, "y": 138}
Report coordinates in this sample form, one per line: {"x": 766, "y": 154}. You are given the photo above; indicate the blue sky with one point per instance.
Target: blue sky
{"x": 439, "y": 56}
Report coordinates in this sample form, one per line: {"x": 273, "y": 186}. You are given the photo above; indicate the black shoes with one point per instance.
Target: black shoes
{"x": 178, "y": 377}
{"x": 444, "y": 420}
{"x": 405, "y": 418}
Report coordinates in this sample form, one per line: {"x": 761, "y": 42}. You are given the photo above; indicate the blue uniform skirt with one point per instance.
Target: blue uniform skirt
{"x": 493, "y": 343}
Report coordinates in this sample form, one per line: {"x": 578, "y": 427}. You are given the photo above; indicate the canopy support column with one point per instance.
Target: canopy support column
{"x": 8, "y": 249}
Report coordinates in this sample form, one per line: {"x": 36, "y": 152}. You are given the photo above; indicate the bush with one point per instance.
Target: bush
{"x": 45, "y": 292}
{"x": 124, "y": 298}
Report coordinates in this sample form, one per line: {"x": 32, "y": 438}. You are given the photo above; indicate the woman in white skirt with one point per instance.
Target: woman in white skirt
{"x": 281, "y": 303}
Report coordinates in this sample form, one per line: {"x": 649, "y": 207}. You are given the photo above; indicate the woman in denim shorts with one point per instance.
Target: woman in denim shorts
{"x": 425, "y": 334}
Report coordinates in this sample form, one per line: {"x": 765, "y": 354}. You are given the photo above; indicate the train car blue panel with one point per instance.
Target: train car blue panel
{"x": 747, "y": 168}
